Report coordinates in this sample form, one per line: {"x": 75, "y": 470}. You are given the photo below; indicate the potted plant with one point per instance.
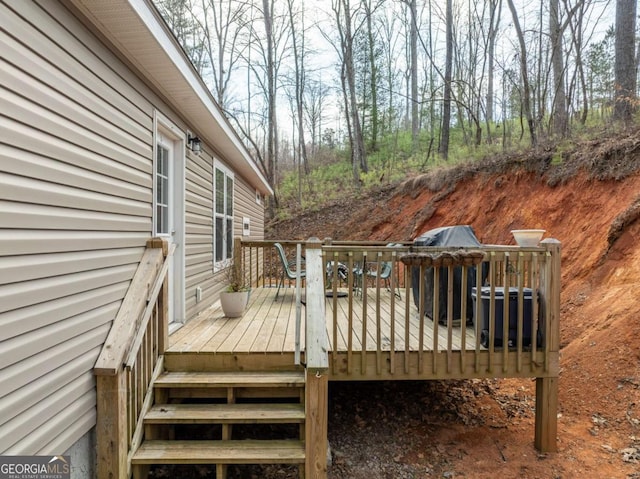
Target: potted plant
{"x": 235, "y": 297}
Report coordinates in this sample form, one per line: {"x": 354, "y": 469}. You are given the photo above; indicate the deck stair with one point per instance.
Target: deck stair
{"x": 232, "y": 411}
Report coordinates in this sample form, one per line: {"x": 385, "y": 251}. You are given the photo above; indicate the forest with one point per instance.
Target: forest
{"x": 337, "y": 96}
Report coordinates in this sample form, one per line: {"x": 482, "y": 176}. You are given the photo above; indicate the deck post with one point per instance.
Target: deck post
{"x": 117, "y": 415}
{"x": 316, "y": 427}
{"x": 546, "y": 424}
{"x": 316, "y": 356}
{"x": 111, "y": 428}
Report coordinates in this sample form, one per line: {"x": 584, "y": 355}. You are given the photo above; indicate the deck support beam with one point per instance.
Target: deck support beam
{"x": 112, "y": 442}
{"x": 546, "y": 429}
{"x": 316, "y": 355}
{"x": 316, "y": 427}
{"x": 546, "y": 425}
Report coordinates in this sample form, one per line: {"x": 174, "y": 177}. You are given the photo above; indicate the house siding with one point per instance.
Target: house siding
{"x": 76, "y": 194}
{"x": 199, "y": 232}
{"x": 199, "y": 218}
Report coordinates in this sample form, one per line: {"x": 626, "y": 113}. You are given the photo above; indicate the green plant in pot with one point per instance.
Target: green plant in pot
{"x": 235, "y": 297}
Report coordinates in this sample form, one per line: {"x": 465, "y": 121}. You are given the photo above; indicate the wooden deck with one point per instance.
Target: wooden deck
{"x": 364, "y": 333}
{"x": 268, "y": 326}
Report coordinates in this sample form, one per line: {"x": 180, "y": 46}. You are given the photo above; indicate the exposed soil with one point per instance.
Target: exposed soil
{"x": 481, "y": 429}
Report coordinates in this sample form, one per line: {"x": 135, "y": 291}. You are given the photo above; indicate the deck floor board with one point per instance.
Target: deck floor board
{"x": 268, "y": 326}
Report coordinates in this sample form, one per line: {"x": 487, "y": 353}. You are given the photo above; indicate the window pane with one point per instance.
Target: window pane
{"x": 159, "y": 169}
{"x": 159, "y": 190}
{"x": 229, "y": 238}
{"x": 161, "y": 219}
{"x": 165, "y": 191}
{"x": 162, "y": 190}
{"x": 229, "y": 196}
{"x": 219, "y": 191}
{"x": 165, "y": 220}
{"x": 219, "y": 239}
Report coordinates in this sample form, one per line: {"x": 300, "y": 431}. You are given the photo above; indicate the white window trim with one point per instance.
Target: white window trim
{"x": 225, "y": 263}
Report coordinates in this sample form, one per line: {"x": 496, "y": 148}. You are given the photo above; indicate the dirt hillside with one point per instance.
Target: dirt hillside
{"x": 589, "y": 199}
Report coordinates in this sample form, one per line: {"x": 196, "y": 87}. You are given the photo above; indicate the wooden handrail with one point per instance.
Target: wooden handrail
{"x": 146, "y": 315}
{"x": 123, "y": 329}
{"x": 130, "y": 360}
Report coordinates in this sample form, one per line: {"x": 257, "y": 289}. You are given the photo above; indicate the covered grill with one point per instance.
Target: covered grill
{"x": 461, "y": 236}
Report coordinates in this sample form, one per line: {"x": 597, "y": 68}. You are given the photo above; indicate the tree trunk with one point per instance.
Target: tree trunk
{"x": 559, "y": 109}
{"x": 298, "y": 60}
{"x": 446, "y": 105}
{"x": 494, "y": 21}
{"x": 267, "y": 7}
{"x": 415, "y": 123}
{"x": 625, "y": 72}
{"x": 357, "y": 142}
{"x": 526, "y": 95}
{"x": 374, "y": 77}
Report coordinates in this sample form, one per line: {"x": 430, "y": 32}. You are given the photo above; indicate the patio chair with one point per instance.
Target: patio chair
{"x": 289, "y": 268}
{"x": 380, "y": 271}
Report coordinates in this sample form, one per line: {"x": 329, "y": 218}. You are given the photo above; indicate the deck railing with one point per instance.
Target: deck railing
{"x": 442, "y": 286}
{"x": 425, "y": 320}
{"x": 130, "y": 360}
{"x": 506, "y": 325}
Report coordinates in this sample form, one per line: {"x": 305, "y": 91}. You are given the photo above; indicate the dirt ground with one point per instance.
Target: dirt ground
{"x": 484, "y": 429}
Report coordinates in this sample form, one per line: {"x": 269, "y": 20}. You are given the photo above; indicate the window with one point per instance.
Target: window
{"x": 223, "y": 217}
{"x": 162, "y": 190}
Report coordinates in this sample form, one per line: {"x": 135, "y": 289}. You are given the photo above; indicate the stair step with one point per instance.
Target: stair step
{"x": 225, "y": 414}
{"x": 220, "y": 452}
{"x": 230, "y": 379}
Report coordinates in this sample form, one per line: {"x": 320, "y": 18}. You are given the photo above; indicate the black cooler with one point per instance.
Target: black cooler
{"x": 452, "y": 236}
{"x": 485, "y": 296}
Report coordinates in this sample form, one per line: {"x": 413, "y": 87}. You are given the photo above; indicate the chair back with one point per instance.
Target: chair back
{"x": 286, "y": 265}
{"x": 385, "y": 269}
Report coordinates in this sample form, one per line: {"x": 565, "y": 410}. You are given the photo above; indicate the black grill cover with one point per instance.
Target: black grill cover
{"x": 452, "y": 236}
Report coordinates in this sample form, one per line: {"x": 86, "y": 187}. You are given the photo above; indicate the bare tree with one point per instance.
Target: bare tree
{"x": 186, "y": 27}
{"x": 625, "y": 71}
{"x": 316, "y": 94}
{"x": 559, "y": 112}
{"x": 270, "y": 69}
{"x": 346, "y": 28}
{"x": 299, "y": 54}
{"x": 526, "y": 96}
{"x": 495, "y": 8}
{"x": 222, "y": 23}
{"x": 413, "y": 70}
{"x": 390, "y": 34}
{"x": 369, "y": 9}
{"x": 446, "y": 103}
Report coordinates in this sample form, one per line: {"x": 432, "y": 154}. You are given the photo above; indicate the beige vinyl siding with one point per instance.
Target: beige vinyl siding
{"x": 199, "y": 250}
{"x": 199, "y": 230}
{"x": 76, "y": 194}
{"x": 246, "y": 206}
{"x": 36, "y": 392}
{"x": 55, "y": 403}
{"x": 76, "y": 132}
